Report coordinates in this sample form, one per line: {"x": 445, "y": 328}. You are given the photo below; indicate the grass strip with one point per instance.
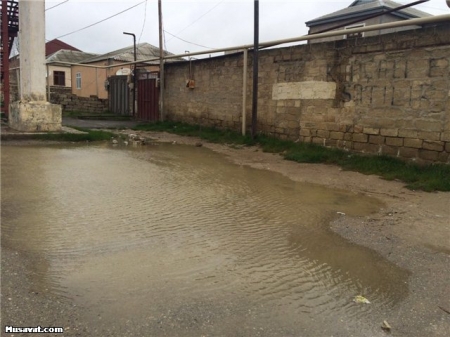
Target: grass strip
{"x": 432, "y": 177}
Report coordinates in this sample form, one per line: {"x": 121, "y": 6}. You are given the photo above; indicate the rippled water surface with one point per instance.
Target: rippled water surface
{"x": 142, "y": 234}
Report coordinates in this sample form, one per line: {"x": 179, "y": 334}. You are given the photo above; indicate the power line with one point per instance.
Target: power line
{"x": 196, "y": 19}
{"x": 56, "y": 5}
{"x": 179, "y": 38}
{"x": 145, "y": 18}
{"x": 96, "y": 23}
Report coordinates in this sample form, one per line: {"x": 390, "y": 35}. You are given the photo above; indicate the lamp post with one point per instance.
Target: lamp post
{"x": 134, "y": 74}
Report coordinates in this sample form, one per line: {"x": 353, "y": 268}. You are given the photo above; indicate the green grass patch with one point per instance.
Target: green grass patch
{"x": 209, "y": 134}
{"x": 429, "y": 178}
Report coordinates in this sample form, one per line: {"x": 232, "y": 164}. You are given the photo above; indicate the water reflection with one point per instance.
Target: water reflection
{"x": 128, "y": 232}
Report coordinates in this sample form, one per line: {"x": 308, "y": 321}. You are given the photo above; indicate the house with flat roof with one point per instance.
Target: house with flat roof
{"x": 363, "y": 13}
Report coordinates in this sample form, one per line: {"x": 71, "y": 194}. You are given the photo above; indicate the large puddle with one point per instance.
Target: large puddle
{"x": 178, "y": 237}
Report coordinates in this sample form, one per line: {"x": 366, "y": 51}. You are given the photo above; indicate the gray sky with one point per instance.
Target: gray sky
{"x": 208, "y": 23}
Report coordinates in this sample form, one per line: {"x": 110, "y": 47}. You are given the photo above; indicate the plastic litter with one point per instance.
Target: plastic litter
{"x": 361, "y": 299}
{"x": 385, "y": 326}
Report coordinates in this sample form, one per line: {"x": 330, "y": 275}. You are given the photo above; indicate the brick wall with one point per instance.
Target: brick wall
{"x": 387, "y": 95}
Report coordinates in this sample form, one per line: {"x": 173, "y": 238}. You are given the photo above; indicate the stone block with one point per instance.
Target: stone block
{"x": 427, "y": 125}
{"x": 429, "y": 135}
{"x": 346, "y": 128}
{"x": 400, "y": 69}
{"x": 332, "y": 127}
{"x": 447, "y": 147}
{"x": 408, "y": 152}
{"x": 331, "y": 142}
{"x": 318, "y": 140}
{"x": 413, "y": 142}
{"x": 360, "y": 137}
{"x": 323, "y": 133}
{"x": 433, "y": 146}
{"x": 428, "y": 155}
{"x": 407, "y": 133}
{"x": 366, "y": 147}
{"x": 358, "y": 128}
{"x": 374, "y": 139}
{"x": 371, "y": 131}
{"x": 394, "y": 141}
{"x": 348, "y": 136}
{"x": 444, "y": 157}
{"x": 418, "y": 68}
{"x": 438, "y": 67}
{"x": 305, "y": 132}
{"x": 390, "y": 150}
{"x": 389, "y": 132}
{"x": 336, "y": 135}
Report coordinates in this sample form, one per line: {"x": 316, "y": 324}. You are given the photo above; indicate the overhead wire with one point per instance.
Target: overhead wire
{"x": 145, "y": 19}
{"x": 96, "y": 23}
{"x": 200, "y": 17}
{"x": 57, "y": 5}
{"x": 193, "y": 43}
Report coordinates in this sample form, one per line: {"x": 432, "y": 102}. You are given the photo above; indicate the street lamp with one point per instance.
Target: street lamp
{"x": 134, "y": 73}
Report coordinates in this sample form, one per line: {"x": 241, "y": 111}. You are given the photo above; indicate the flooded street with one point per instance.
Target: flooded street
{"x": 172, "y": 240}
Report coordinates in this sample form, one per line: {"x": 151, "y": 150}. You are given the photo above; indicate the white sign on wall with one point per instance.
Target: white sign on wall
{"x": 123, "y": 71}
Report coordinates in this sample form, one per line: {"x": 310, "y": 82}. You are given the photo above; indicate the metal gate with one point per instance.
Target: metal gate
{"x": 119, "y": 102}
{"x": 148, "y": 97}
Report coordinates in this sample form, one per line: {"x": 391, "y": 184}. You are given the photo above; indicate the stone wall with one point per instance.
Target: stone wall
{"x": 72, "y": 102}
{"x": 386, "y": 95}
{"x": 64, "y": 97}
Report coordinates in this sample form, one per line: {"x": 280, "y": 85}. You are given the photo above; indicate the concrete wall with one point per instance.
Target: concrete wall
{"x": 387, "y": 94}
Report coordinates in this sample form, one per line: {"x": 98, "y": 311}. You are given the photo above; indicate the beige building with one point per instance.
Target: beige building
{"x": 58, "y": 72}
{"x": 88, "y": 80}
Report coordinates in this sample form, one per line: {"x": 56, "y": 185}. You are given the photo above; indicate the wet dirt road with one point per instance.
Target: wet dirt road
{"x": 170, "y": 240}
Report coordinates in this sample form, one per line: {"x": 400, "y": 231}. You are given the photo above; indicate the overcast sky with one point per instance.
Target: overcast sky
{"x": 204, "y": 24}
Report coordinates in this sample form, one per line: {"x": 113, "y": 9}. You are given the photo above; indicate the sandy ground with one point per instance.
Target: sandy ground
{"x": 412, "y": 231}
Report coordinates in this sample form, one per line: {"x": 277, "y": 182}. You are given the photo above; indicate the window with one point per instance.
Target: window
{"x": 353, "y": 35}
{"x": 78, "y": 77}
{"x": 59, "y": 78}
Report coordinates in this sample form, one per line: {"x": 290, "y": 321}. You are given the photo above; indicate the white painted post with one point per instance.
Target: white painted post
{"x": 33, "y": 112}
{"x": 32, "y": 50}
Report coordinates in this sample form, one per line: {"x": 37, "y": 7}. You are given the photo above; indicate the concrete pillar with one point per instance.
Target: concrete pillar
{"x": 33, "y": 112}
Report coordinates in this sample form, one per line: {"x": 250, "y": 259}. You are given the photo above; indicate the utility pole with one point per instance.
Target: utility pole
{"x": 161, "y": 64}
{"x": 5, "y": 57}
{"x": 255, "y": 70}
{"x": 135, "y": 73}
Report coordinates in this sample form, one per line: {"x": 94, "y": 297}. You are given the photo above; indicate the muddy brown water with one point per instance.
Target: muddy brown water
{"x": 179, "y": 238}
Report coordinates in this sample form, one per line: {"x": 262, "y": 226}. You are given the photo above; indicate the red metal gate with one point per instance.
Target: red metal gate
{"x": 148, "y": 97}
